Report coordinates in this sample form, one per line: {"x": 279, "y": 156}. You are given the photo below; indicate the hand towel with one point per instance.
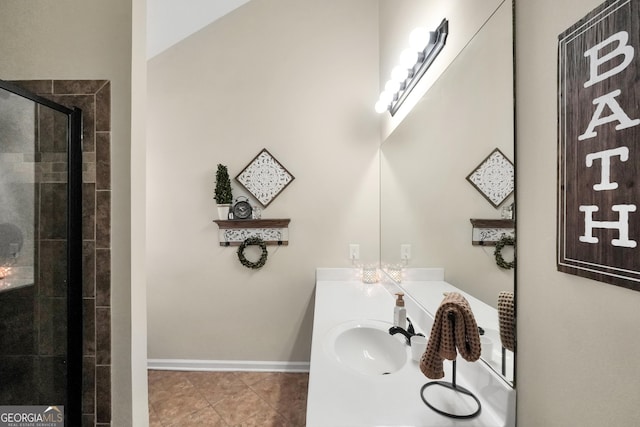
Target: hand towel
{"x": 507, "y": 320}
{"x": 454, "y": 330}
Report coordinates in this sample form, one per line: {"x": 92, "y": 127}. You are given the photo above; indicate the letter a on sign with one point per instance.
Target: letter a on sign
{"x": 599, "y": 145}
{"x": 617, "y": 115}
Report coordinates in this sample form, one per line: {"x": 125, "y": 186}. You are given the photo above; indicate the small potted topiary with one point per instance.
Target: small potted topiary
{"x": 223, "y": 195}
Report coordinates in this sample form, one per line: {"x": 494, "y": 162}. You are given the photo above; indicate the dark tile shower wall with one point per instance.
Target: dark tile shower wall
{"x": 19, "y": 360}
{"x": 94, "y": 98}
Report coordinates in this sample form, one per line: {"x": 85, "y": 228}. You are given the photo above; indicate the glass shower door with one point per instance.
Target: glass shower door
{"x": 40, "y": 254}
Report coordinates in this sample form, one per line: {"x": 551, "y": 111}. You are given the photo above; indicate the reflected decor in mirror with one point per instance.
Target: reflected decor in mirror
{"x": 427, "y": 202}
{"x": 494, "y": 178}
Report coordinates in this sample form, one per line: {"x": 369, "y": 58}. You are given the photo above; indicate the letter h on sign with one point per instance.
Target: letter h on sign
{"x": 622, "y": 225}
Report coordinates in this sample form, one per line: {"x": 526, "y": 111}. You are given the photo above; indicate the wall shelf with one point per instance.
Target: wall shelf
{"x": 487, "y": 232}
{"x": 232, "y": 232}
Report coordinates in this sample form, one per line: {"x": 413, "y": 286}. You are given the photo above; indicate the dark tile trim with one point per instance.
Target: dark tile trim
{"x": 94, "y": 97}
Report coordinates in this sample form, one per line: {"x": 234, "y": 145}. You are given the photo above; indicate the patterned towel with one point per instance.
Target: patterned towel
{"x": 507, "y": 320}
{"x": 454, "y": 327}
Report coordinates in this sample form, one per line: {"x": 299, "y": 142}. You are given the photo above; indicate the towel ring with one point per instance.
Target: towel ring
{"x": 452, "y": 386}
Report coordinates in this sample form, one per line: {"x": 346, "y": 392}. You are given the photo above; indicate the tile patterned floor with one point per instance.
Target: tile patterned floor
{"x": 227, "y": 399}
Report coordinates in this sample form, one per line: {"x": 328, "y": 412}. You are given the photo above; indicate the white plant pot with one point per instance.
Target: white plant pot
{"x": 223, "y": 211}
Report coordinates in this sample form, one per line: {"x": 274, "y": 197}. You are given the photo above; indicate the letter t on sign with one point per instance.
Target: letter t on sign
{"x": 605, "y": 170}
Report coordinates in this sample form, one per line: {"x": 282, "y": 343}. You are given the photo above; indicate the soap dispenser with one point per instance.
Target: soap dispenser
{"x": 399, "y": 312}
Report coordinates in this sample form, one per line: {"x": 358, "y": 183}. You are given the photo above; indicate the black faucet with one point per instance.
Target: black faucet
{"x": 407, "y": 333}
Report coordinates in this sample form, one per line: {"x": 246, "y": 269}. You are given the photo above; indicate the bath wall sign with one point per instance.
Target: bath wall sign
{"x": 264, "y": 177}
{"x": 599, "y": 146}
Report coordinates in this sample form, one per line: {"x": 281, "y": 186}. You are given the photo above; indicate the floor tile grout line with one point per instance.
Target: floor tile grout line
{"x": 269, "y": 403}
{"x": 189, "y": 413}
{"x": 209, "y": 403}
{"x": 280, "y": 379}
{"x": 213, "y": 405}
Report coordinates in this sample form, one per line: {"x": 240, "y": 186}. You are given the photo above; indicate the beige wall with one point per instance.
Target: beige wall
{"x": 72, "y": 39}
{"x": 578, "y": 339}
{"x": 297, "y": 78}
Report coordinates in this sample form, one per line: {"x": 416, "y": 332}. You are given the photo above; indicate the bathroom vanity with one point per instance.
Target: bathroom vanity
{"x": 381, "y": 385}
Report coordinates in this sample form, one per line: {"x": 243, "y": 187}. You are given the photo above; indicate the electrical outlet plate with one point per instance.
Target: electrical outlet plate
{"x": 354, "y": 251}
{"x": 405, "y": 251}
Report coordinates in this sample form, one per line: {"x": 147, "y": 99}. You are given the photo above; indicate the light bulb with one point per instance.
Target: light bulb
{"x": 408, "y": 58}
{"x": 418, "y": 39}
{"x": 386, "y": 97}
{"x": 392, "y": 86}
{"x": 381, "y": 106}
{"x": 399, "y": 74}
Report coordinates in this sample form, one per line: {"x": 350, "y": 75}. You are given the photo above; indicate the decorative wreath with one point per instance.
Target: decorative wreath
{"x": 504, "y": 240}
{"x": 263, "y": 258}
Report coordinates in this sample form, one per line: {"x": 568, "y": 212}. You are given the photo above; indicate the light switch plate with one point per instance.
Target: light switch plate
{"x": 405, "y": 251}
{"x": 354, "y": 251}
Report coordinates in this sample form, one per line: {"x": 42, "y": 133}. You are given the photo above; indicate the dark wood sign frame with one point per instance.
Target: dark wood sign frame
{"x": 599, "y": 145}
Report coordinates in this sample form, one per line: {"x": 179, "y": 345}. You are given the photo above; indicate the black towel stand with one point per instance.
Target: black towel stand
{"x": 504, "y": 362}
{"x": 453, "y": 386}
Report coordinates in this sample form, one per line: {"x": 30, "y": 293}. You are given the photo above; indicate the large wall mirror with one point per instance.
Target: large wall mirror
{"x": 426, "y": 200}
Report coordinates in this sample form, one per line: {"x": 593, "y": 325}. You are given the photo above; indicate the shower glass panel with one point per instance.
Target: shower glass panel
{"x": 40, "y": 253}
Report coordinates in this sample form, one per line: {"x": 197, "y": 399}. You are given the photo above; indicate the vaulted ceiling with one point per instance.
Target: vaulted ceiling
{"x": 170, "y": 21}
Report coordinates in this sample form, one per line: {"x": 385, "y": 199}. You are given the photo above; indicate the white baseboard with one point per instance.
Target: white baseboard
{"x": 226, "y": 365}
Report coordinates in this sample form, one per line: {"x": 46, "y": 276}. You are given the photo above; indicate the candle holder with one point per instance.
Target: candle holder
{"x": 395, "y": 272}
{"x": 370, "y": 273}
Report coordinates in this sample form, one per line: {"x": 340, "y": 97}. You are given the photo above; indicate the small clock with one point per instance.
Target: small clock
{"x": 242, "y": 209}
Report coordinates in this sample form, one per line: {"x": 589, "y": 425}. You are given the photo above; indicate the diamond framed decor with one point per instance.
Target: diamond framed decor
{"x": 493, "y": 178}
{"x": 264, "y": 177}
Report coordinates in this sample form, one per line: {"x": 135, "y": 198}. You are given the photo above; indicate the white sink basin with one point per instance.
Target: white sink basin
{"x": 366, "y": 346}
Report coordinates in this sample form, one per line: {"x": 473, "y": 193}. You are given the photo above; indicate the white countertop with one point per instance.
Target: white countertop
{"x": 339, "y": 396}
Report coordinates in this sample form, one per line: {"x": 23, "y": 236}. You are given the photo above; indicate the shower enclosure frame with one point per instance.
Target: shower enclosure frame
{"x": 73, "y": 395}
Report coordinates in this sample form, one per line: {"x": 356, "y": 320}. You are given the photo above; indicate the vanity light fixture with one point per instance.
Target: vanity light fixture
{"x": 423, "y": 48}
